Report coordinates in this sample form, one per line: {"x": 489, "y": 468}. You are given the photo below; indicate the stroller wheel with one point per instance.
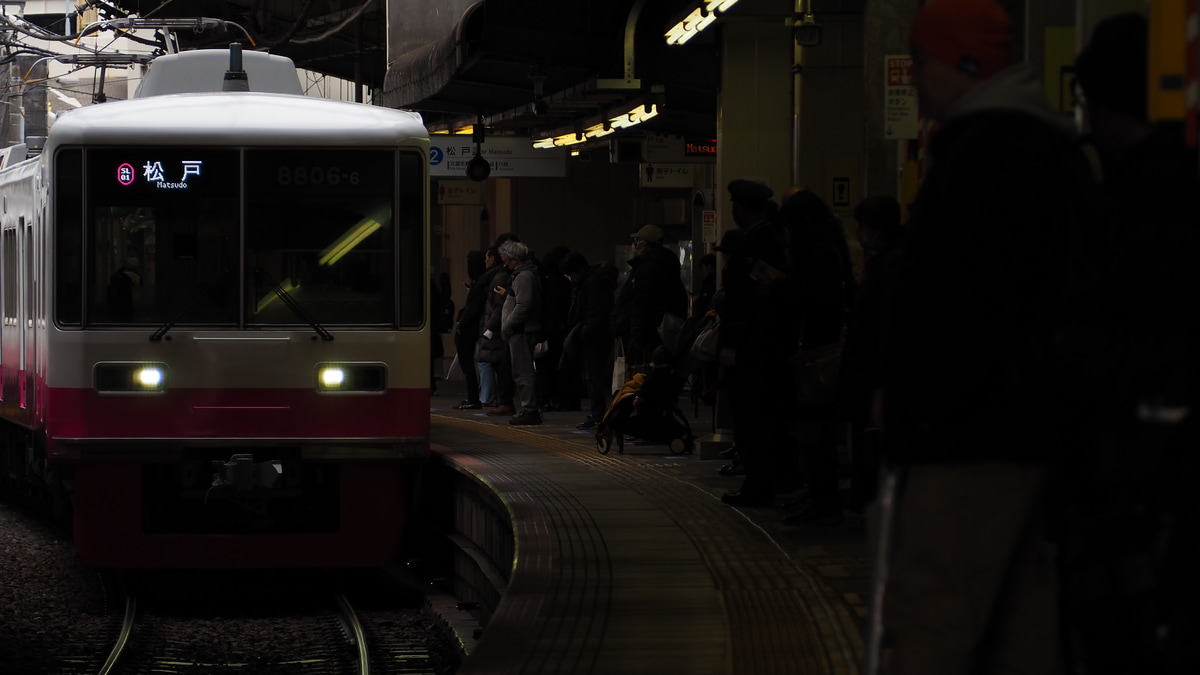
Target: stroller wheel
{"x": 603, "y": 442}
{"x": 680, "y": 446}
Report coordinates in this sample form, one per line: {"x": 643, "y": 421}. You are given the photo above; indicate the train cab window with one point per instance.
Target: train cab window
{"x": 321, "y": 237}
{"x": 161, "y": 236}
{"x": 239, "y": 237}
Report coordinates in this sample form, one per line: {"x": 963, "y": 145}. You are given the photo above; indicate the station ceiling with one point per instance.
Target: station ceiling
{"x": 524, "y": 67}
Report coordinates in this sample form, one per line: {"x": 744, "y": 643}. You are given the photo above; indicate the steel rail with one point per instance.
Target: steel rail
{"x": 356, "y": 633}
{"x": 123, "y": 637}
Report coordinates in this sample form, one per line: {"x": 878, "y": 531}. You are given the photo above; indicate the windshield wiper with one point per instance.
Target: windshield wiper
{"x": 162, "y": 330}
{"x": 293, "y": 305}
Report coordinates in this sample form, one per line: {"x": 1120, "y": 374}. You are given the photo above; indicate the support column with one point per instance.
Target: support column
{"x": 755, "y": 116}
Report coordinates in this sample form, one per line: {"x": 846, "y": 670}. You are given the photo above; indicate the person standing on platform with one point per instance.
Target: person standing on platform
{"x": 653, "y": 290}
{"x": 589, "y": 342}
{"x": 760, "y": 329}
{"x": 971, "y": 409}
{"x": 1130, "y": 608}
{"x": 493, "y": 348}
{"x": 466, "y": 328}
{"x": 441, "y": 318}
{"x": 487, "y": 372}
{"x": 556, "y": 302}
{"x": 521, "y": 327}
{"x": 816, "y": 294}
{"x": 702, "y": 299}
{"x": 880, "y": 232}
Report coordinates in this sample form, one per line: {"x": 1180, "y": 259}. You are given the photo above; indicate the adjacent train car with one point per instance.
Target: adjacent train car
{"x": 215, "y": 346}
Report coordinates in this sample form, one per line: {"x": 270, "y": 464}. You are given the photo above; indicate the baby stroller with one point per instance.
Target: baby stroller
{"x": 646, "y": 408}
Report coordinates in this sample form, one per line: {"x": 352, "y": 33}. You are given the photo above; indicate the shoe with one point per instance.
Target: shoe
{"x": 589, "y": 423}
{"x": 501, "y": 410}
{"x": 526, "y": 417}
{"x": 469, "y": 405}
{"x": 734, "y": 469}
{"x": 749, "y": 498}
{"x": 728, "y": 453}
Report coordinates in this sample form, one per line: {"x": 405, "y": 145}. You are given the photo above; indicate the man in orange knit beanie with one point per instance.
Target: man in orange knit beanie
{"x": 972, "y": 418}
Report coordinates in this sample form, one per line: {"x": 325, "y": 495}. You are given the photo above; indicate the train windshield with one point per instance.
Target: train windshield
{"x": 320, "y": 228}
{"x": 229, "y": 237}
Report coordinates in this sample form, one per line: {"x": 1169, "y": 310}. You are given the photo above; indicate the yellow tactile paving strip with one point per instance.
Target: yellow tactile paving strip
{"x": 629, "y": 563}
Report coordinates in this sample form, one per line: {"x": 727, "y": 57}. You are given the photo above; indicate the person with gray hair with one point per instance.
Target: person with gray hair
{"x": 521, "y": 326}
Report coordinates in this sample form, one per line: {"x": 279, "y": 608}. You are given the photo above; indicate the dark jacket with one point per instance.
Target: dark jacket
{"x": 471, "y": 314}
{"x": 654, "y": 288}
{"x": 760, "y": 312}
{"x": 592, "y": 306}
{"x": 1152, "y": 193}
{"x": 493, "y": 349}
{"x": 969, "y": 339}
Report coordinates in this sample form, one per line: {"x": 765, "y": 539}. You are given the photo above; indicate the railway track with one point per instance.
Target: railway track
{"x": 297, "y": 626}
{"x": 60, "y": 617}
{"x": 316, "y": 639}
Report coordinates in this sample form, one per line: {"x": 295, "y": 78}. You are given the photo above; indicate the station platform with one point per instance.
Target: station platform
{"x": 629, "y": 563}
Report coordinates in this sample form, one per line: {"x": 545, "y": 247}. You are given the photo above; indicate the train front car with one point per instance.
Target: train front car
{"x": 237, "y": 365}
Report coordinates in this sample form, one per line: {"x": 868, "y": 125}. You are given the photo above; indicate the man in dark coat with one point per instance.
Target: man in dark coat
{"x": 760, "y": 331}
{"x": 1134, "y": 476}
{"x": 466, "y": 328}
{"x": 493, "y": 348}
{"x": 589, "y": 342}
{"x": 654, "y": 289}
{"x": 970, "y": 406}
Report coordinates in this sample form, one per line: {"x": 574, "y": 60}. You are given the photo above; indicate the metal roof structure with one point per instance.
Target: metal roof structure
{"x": 521, "y": 67}
{"x": 337, "y": 38}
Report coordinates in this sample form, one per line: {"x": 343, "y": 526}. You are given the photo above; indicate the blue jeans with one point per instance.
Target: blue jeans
{"x": 487, "y": 382}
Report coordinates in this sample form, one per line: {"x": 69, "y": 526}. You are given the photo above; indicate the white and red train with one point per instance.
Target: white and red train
{"x": 215, "y": 346}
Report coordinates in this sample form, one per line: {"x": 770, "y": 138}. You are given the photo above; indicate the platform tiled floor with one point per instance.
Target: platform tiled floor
{"x": 630, "y": 563}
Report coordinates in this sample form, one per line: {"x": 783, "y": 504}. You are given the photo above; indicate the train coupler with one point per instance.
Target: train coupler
{"x": 242, "y": 473}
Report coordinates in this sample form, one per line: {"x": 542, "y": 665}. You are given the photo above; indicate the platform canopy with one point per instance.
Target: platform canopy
{"x": 523, "y": 67}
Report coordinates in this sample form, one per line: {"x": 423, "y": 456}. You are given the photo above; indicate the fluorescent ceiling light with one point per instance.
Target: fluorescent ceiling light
{"x": 698, "y": 20}
{"x": 636, "y": 115}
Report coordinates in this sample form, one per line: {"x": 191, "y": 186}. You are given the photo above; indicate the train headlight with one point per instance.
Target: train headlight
{"x": 150, "y": 377}
{"x": 351, "y": 377}
{"x": 130, "y": 378}
{"x": 332, "y": 377}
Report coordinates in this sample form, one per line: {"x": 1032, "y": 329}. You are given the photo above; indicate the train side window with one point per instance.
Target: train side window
{"x": 30, "y": 272}
{"x": 68, "y": 237}
{"x": 10, "y": 275}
